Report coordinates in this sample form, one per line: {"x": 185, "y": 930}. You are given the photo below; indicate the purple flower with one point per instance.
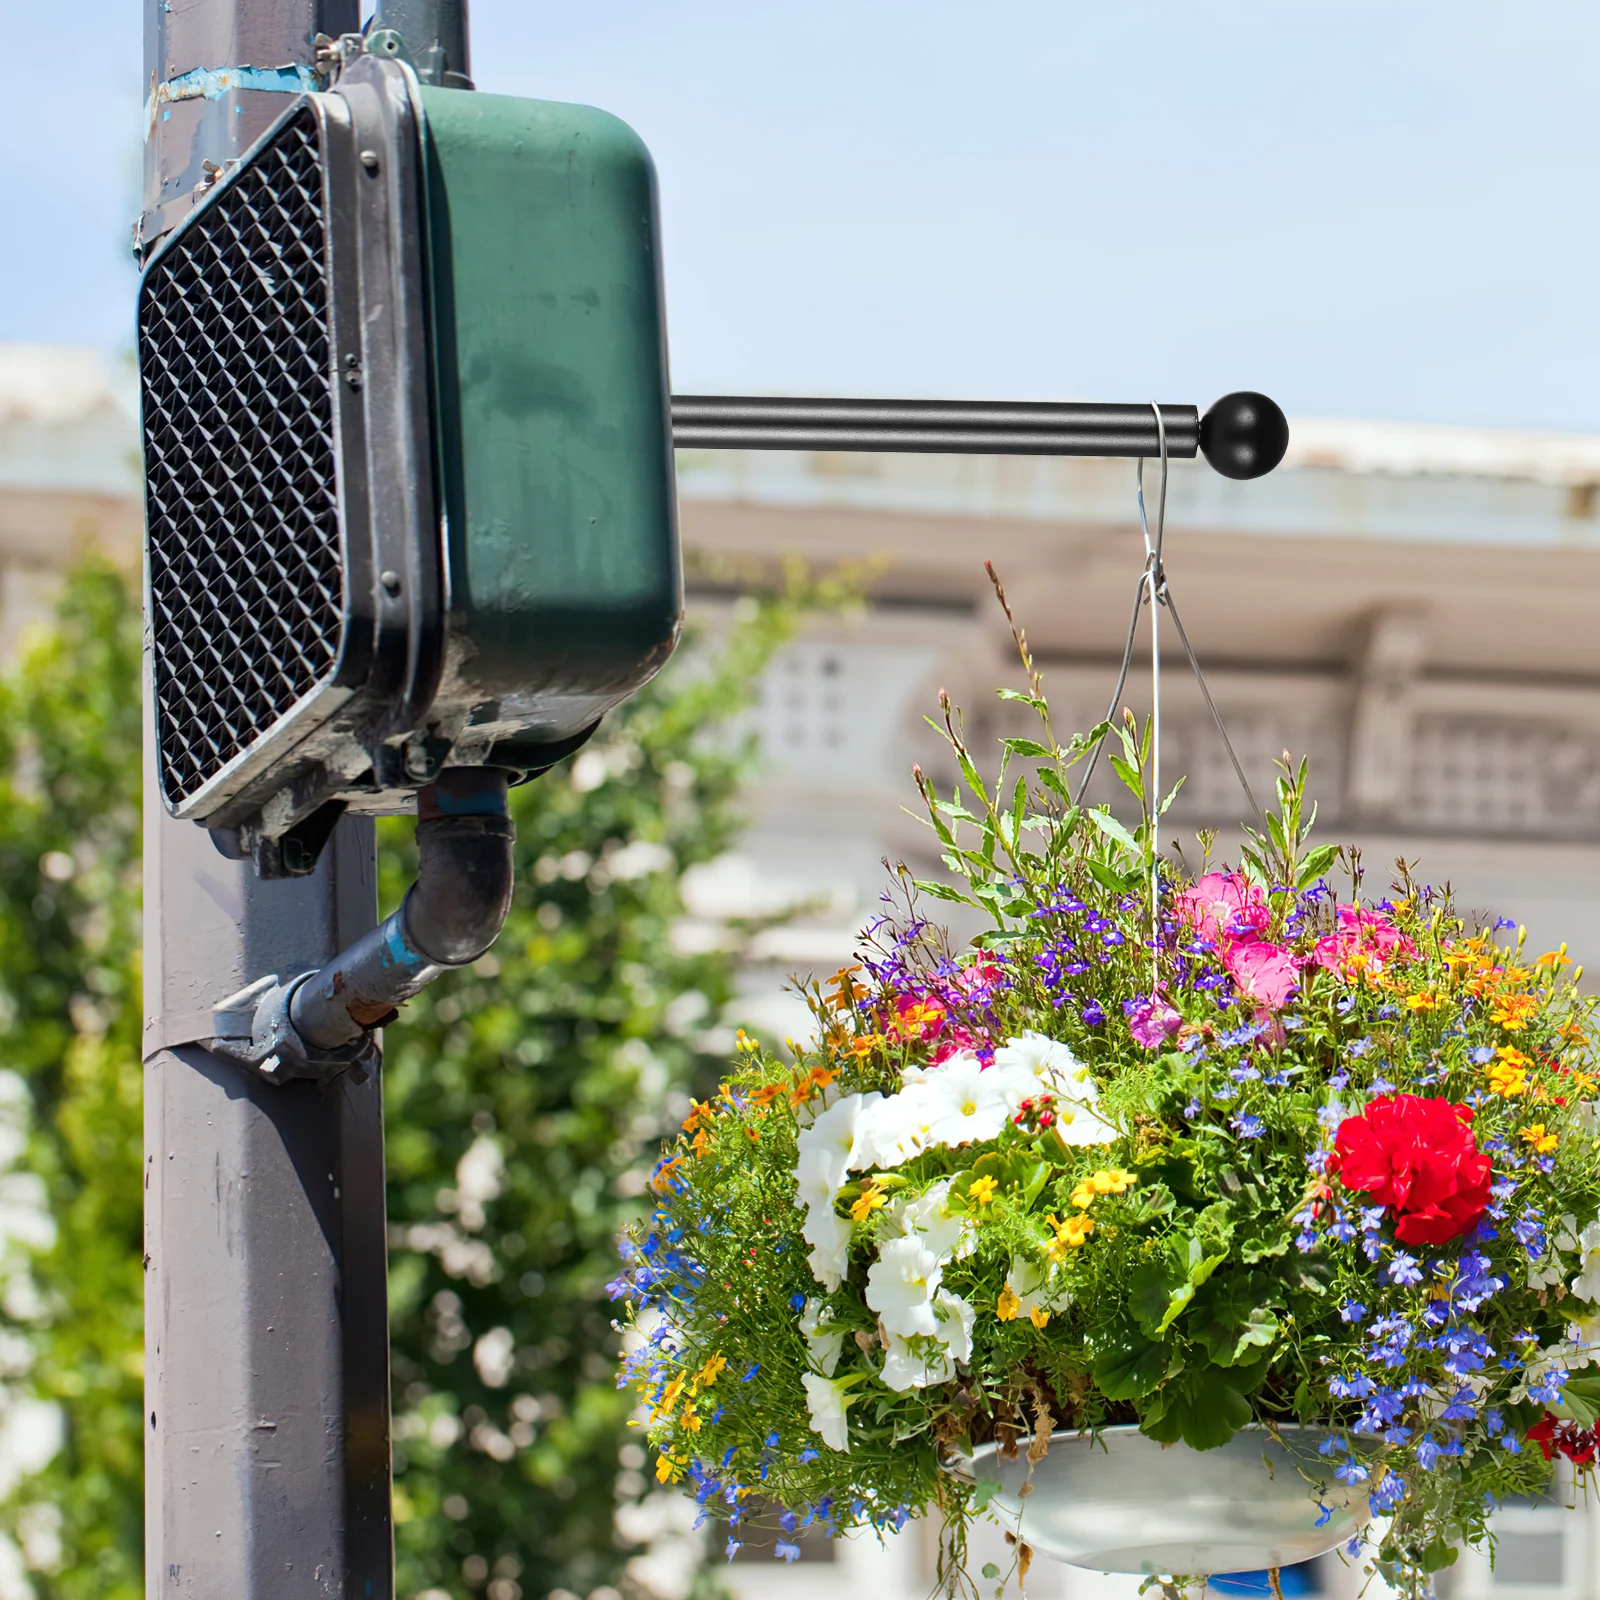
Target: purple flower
{"x": 1093, "y": 1014}
{"x": 1249, "y": 1126}
{"x": 734, "y": 1547}
{"x": 1427, "y": 1452}
{"x": 1151, "y": 1021}
{"x": 1356, "y": 1388}
{"x": 786, "y": 1550}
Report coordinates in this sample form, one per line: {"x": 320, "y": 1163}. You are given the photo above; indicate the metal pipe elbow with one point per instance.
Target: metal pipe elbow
{"x": 450, "y": 916}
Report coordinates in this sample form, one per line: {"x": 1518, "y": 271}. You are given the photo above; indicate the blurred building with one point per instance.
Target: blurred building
{"x": 1411, "y": 607}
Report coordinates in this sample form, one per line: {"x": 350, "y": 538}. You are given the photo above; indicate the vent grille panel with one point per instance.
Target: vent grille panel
{"x": 246, "y": 577}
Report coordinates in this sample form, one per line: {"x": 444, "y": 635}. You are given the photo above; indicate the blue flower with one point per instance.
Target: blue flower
{"x": 797, "y": 1302}
{"x": 1404, "y": 1269}
{"x": 734, "y": 1547}
{"x": 755, "y": 1367}
{"x": 1351, "y": 1472}
{"x": 1249, "y": 1126}
{"x": 1352, "y": 1311}
{"x": 1388, "y": 1494}
{"x": 1547, "y": 1391}
{"x": 806, "y": 1455}
{"x": 1512, "y": 1443}
{"x": 772, "y": 1440}
{"x": 1192, "y": 1110}
{"x": 1427, "y": 1452}
{"x": 1093, "y": 1014}
{"x": 1356, "y": 1388}
{"x": 786, "y": 1550}
{"x": 1461, "y": 1407}
{"x": 1323, "y": 1514}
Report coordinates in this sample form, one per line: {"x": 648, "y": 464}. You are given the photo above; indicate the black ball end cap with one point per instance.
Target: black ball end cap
{"x": 1244, "y": 435}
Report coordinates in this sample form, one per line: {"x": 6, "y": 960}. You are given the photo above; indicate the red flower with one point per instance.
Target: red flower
{"x": 1552, "y": 1434}
{"x": 1417, "y": 1156}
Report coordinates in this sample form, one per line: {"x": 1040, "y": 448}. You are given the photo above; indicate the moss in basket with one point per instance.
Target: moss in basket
{"x": 1250, "y": 1148}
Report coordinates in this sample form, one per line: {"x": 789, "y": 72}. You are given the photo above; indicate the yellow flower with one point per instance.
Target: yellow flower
{"x": 690, "y": 1419}
{"x": 1038, "y": 1316}
{"x": 669, "y": 1398}
{"x": 1083, "y": 1196}
{"x": 708, "y": 1373}
{"x": 1507, "y": 1081}
{"x": 870, "y": 1201}
{"x": 1112, "y": 1181}
{"x": 982, "y": 1189}
{"x": 1069, "y": 1234}
{"x": 668, "y": 1470}
{"x": 1008, "y": 1305}
{"x": 1554, "y": 958}
{"x": 1424, "y": 1000}
{"x": 1542, "y": 1143}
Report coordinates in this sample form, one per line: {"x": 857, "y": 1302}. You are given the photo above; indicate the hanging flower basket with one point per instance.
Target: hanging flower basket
{"x": 1295, "y": 1180}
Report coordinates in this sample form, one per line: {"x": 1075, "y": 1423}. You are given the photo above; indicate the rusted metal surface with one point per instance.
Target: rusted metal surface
{"x": 192, "y": 115}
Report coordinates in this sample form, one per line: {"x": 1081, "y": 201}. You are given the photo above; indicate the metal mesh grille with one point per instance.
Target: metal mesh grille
{"x": 246, "y": 579}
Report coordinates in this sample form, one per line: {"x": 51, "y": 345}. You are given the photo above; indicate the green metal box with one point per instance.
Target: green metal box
{"x": 562, "y": 583}
{"x": 408, "y": 450}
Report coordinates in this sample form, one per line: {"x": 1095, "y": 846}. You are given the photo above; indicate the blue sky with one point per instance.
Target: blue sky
{"x": 1366, "y": 209}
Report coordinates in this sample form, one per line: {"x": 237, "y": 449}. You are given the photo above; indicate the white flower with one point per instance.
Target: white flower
{"x": 972, "y": 1104}
{"x": 896, "y": 1129}
{"x": 1047, "y": 1061}
{"x": 931, "y": 1360}
{"x": 827, "y": 1399}
{"x": 824, "y": 1341}
{"x": 949, "y": 1236}
{"x": 1587, "y": 1283}
{"x": 825, "y": 1149}
{"x": 1032, "y": 1062}
{"x": 1030, "y": 1284}
{"x": 829, "y": 1237}
{"x": 901, "y": 1285}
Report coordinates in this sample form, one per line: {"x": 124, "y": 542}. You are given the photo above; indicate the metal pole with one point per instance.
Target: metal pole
{"x": 266, "y": 1332}
{"x": 435, "y": 34}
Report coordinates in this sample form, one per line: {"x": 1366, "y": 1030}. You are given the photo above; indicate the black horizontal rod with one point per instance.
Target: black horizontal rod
{"x": 967, "y": 427}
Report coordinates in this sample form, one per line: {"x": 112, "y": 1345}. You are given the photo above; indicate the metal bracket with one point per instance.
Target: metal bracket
{"x": 253, "y": 1030}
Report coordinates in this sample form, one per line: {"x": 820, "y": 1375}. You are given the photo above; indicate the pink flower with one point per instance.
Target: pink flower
{"x": 1265, "y": 973}
{"x": 1223, "y": 906}
{"x": 1151, "y": 1020}
{"x": 1364, "y": 939}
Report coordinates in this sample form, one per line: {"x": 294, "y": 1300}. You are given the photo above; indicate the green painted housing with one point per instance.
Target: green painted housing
{"x": 562, "y": 566}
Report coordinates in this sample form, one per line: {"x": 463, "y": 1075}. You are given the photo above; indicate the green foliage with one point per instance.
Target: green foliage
{"x": 70, "y": 1019}
{"x": 546, "y": 1070}
{"x": 523, "y": 1101}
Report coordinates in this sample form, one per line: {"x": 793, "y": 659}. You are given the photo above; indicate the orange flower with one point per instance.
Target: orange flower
{"x": 1540, "y": 1142}
{"x": 662, "y": 1181}
{"x": 1513, "y": 1011}
{"x": 765, "y": 1095}
{"x": 700, "y": 1116}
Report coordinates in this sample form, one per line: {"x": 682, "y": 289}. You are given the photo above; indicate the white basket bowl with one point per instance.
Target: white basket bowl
{"x": 1117, "y": 1501}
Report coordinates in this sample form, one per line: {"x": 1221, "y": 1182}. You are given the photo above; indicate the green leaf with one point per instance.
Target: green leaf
{"x": 1107, "y": 877}
{"x": 943, "y": 891}
{"x": 1580, "y": 1399}
{"x": 1129, "y": 1369}
{"x": 1151, "y": 1289}
{"x": 990, "y": 1570}
{"x": 1114, "y": 830}
{"x": 1315, "y": 864}
{"x": 981, "y": 1496}
{"x": 1034, "y": 1187}
{"x": 1026, "y": 699}
{"x": 1130, "y": 776}
{"x": 1026, "y": 747}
